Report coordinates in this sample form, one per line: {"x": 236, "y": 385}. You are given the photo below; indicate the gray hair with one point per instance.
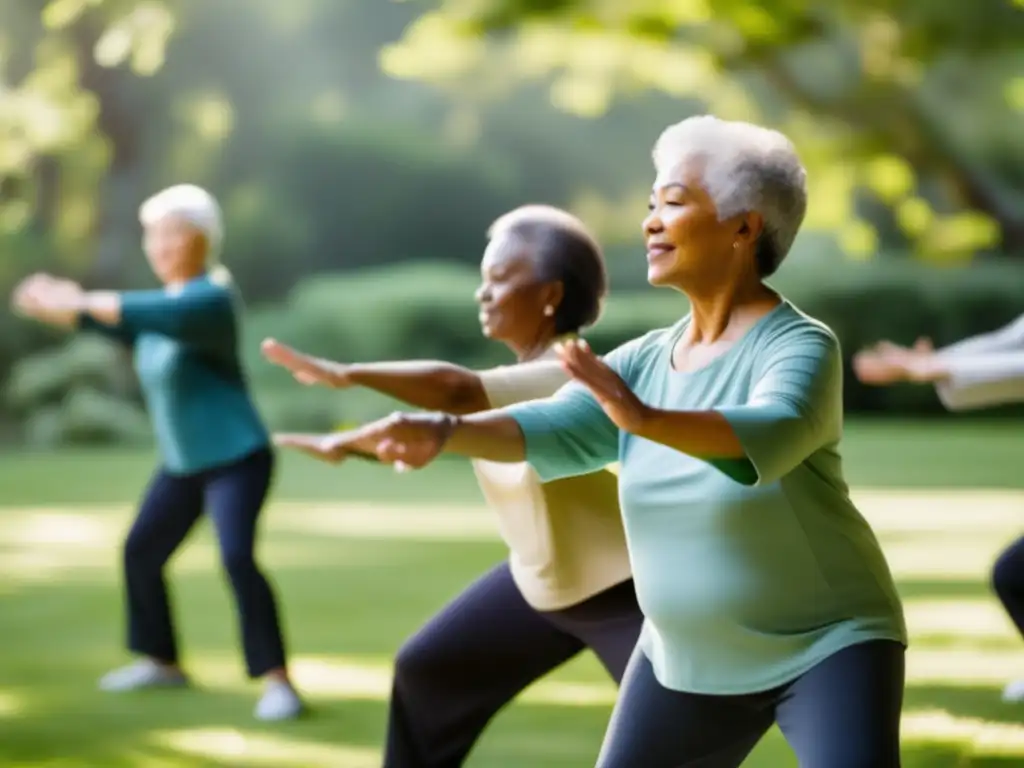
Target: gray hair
{"x": 746, "y": 168}
{"x": 563, "y": 250}
{"x": 200, "y": 209}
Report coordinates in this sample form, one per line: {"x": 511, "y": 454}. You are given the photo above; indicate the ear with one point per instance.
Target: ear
{"x": 749, "y": 228}
{"x": 553, "y": 294}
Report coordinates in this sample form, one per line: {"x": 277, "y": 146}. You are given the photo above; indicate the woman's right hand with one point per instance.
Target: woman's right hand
{"x": 305, "y": 368}
{"x": 47, "y": 298}
{"x": 406, "y": 440}
{"x": 888, "y": 363}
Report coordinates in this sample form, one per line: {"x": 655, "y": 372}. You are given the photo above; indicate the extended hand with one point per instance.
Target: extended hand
{"x": 616, "y": 398}
{"x": 323, "y": 447}
{"x": 305, "y": 368}
{"x": 41, "y": 295}
{"x": 408, "y": 441}
{"x": 888, "y": 363}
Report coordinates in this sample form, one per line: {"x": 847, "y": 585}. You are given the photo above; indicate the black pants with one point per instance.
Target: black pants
{"x": 234, "y": 495}
{"x": 843, "y": 713}
{"x": 1008, "y": 581}
{"x": 485, "y": 647}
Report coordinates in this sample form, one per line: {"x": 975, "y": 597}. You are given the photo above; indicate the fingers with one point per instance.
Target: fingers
{"x": 580, "y": 362}
{"x": 318, "y": 446}
{"x": 278, "y": 353}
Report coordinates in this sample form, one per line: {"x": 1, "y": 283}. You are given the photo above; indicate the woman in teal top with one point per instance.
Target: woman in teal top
{"x": 215, "y": 450}
{"x": 767, "y": 598}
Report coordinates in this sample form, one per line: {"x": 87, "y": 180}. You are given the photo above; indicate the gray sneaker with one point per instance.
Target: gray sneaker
{"x": 144, "y": 673}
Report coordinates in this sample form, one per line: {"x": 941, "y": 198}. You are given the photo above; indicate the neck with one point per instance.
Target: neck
{"x": 534, "y": 348}
{"x": 179, "y": 280}
{"x": 713, "y": 314}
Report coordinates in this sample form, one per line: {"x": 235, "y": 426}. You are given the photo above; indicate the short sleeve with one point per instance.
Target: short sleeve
{"x": 512, "y": 384}
{"x": 569, "y": 433}
{"x": 794, "y": 408}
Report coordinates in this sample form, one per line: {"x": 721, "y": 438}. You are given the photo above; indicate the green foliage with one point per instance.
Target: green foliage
{"x": 424, "y": 311}
{"x": 863, "y": 88}
{"x": 361, "y": 195}
{"x": 81, "y": 392}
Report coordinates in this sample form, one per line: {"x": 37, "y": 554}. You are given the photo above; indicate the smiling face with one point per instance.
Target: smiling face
{"x": 512, "y": 298}
{"x": 176, "y": 250}
{"x": 684, "y": 236}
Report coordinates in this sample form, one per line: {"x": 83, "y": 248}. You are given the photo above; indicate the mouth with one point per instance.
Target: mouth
{"x": 656, "y": 250}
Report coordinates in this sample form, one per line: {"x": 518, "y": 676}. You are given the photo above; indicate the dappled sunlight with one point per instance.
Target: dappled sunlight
{"x": 940, "y": 510}
{"x": 343, "y": 678}
{"x": 349, "y": 678}
{"x": 564, "y": 694}
{"x": 963, "y": 666}
{"x": 227, "y": 744}
{"x": 11, "y": 705}
{"x": 983, "y": 736}
{"x": 44, "y": 543}
{"x": 969, "y": 619}
{"x": 407, "y": 522}
{"x": 954, "y": 558}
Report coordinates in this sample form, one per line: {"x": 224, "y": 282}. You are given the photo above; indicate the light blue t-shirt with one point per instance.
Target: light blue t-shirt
{"x": 749, "y": 571}
{"x": 186, "y": 357}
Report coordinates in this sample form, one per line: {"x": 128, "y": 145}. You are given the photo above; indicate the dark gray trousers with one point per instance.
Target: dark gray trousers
{"x": 481, "y": 650}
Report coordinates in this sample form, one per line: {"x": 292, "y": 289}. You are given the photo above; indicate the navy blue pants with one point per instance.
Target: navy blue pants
{"x": 481, "y": 650}
{"x": 1008, "y": 581}
{"x": 234, "y": 495}
{"x": 843, "y": 713}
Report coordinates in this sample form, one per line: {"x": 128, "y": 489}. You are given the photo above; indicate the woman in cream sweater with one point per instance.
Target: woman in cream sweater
{"x": 566, "y": 585}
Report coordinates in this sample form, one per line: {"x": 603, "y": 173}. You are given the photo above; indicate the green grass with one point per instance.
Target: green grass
{"x": 360, "y": 557}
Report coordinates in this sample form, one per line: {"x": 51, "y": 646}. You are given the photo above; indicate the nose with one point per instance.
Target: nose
{"x": 482, "y": 294}
{"x": 652, "y": 223}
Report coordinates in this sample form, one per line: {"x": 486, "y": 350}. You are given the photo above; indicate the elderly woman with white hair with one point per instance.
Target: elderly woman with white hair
{"x": 215, "y": 450}
{"x": 766, "y": 595}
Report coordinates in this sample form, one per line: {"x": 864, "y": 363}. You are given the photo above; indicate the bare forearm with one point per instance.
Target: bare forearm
{"x": 435, "y": 386}
{"x": 703, "y": 434}
{"x": 490, "y": 435}
{"x": 103, "y": 306}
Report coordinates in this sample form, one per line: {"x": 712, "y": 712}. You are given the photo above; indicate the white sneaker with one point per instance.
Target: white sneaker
{"x": 1014, "y": 692}
{"x": 279, "y": 702}
{"x": 144, "y": 673}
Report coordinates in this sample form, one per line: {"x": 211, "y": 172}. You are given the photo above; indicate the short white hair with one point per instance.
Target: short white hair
{"x": 745, "y": 168}
{"x": 192, "y": 204}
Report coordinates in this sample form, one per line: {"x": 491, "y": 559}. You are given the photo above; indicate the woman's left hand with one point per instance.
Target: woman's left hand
{"x": 619, "y": 402}
{"x": 42, "y": 296}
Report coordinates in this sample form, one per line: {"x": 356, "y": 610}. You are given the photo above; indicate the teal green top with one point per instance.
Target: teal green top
{"x": 749, "y": 571}
{"x": 185, "y": 354}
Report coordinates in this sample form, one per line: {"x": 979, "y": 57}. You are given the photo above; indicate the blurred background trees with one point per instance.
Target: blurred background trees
{"x": 361, "y": 148}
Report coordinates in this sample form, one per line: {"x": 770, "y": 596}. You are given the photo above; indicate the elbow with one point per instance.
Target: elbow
{"x": 463, "y": 392}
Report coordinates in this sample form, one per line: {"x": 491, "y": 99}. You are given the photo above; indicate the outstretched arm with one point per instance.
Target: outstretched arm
{"x": 414, "y": 440}
{"x": 794, "y": 409}
{"x": 428, "y": 384}
{"x": 189, "y": 316}
{"x": 564, "y": 435}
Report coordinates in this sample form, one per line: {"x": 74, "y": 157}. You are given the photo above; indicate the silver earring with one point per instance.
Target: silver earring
{"x": 549, "y": 311}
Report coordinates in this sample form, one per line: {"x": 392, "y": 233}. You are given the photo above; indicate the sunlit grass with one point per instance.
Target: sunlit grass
{"x": 357, "y": 576}
{"x": 261, "y": 749}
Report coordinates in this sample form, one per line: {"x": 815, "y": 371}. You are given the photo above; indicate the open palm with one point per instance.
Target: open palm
{"x": 619, "y": 402}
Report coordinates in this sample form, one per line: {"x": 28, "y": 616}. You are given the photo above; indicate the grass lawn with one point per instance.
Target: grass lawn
{"x": 360, "y": 557}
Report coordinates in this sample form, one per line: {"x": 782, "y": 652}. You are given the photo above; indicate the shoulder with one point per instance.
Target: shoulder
{"x": 790, "y": 331}
{"x": 644, "y": 348}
